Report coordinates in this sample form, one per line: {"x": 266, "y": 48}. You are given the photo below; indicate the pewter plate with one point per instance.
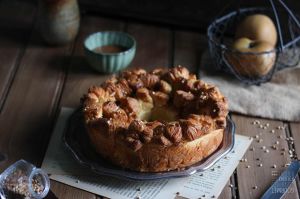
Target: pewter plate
{"x": 77, "y": 141}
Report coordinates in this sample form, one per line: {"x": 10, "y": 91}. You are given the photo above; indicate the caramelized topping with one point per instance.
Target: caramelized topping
{"x": 173, "y": 132}
{"x": 165, "y": 87}
{"x": 160, "y": 98}
{"x": 143, "y": 94}
{"x": 150, "y": 80}
{"x": 130, "y": 105}
{"x": 117, "y": 105}
{"x": 182, "y": 98}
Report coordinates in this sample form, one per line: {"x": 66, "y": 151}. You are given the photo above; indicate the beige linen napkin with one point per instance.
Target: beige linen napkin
{"x": 277, "y": 99}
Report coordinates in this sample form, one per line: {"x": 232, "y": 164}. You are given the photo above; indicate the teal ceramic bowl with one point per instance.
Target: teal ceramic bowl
{"x": 109, "y": 61}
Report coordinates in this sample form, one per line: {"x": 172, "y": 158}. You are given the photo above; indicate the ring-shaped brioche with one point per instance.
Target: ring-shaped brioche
{"x": 155, "y": 121}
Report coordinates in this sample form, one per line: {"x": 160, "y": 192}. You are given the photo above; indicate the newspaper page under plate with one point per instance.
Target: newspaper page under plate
{"x": 61, "y": 166}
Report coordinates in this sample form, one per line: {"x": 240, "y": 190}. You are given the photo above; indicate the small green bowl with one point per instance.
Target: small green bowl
{"x": 109, "y": 62}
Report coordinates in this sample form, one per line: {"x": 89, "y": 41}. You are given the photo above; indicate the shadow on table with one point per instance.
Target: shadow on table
{"x": 51, "y": 195}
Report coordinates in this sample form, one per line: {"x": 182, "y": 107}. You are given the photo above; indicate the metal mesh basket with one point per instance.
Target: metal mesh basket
{"x": 241, "y": 64}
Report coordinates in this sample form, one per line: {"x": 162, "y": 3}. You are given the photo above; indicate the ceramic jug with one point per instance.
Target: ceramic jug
{"x": 58, "y": 20}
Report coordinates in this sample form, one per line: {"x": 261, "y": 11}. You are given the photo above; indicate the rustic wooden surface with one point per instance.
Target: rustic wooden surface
{"x": 36, "y": 80}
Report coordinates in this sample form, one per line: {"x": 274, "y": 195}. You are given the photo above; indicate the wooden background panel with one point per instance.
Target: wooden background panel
{"x": 266, "y": 157}
{"x": 16, "y": 21}
{"x": 187, "y": 14}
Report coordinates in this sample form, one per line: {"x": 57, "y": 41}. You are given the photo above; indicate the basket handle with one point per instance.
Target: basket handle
{"x": 278, "y": 25}
{"x": 290, "y": 13}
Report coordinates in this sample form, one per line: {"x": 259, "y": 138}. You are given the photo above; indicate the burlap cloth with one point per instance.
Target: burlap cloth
{"x": 277, "y": 99}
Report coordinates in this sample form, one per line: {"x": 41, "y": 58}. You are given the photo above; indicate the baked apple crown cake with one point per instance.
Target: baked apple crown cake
{"x": 155, "y": 121}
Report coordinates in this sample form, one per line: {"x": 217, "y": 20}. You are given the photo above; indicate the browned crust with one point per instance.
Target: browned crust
{"x": 111, "y": 118}
{"x": 155, "y": 157}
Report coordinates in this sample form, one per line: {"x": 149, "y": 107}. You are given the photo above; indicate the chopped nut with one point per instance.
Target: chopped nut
{"x": 181, "y": 98}
{"x": 165, "y": 87}
{"x": 133, "y": 143}
{"x": 191, "y": 130}
{"x": 130, "y": 104}
{"x": 16, "y": 185}
{"x": 150, "y": 80}
{"x": 144, "y": 94}
{"x": 159, "y": 98}
{"x": 173, "y": 132}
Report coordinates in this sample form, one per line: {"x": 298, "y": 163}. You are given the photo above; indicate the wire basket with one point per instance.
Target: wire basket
{"x": 243, "y": 65}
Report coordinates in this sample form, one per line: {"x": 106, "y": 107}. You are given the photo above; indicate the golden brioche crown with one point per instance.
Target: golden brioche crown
{"x": 163, "y": 106}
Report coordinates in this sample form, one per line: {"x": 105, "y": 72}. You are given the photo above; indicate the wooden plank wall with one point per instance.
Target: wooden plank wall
{"x": 187, "y": 14}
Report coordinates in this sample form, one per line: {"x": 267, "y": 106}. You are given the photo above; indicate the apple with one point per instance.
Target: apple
{"x": 252, "y": 58}
{"x": 257, "y": 27}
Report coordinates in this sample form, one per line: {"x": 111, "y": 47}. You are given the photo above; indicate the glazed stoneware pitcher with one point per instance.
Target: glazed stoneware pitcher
{"x": 59, "y": 20}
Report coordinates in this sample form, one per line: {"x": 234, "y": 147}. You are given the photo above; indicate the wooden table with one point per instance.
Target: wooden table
{"x": 36, "y": 80}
